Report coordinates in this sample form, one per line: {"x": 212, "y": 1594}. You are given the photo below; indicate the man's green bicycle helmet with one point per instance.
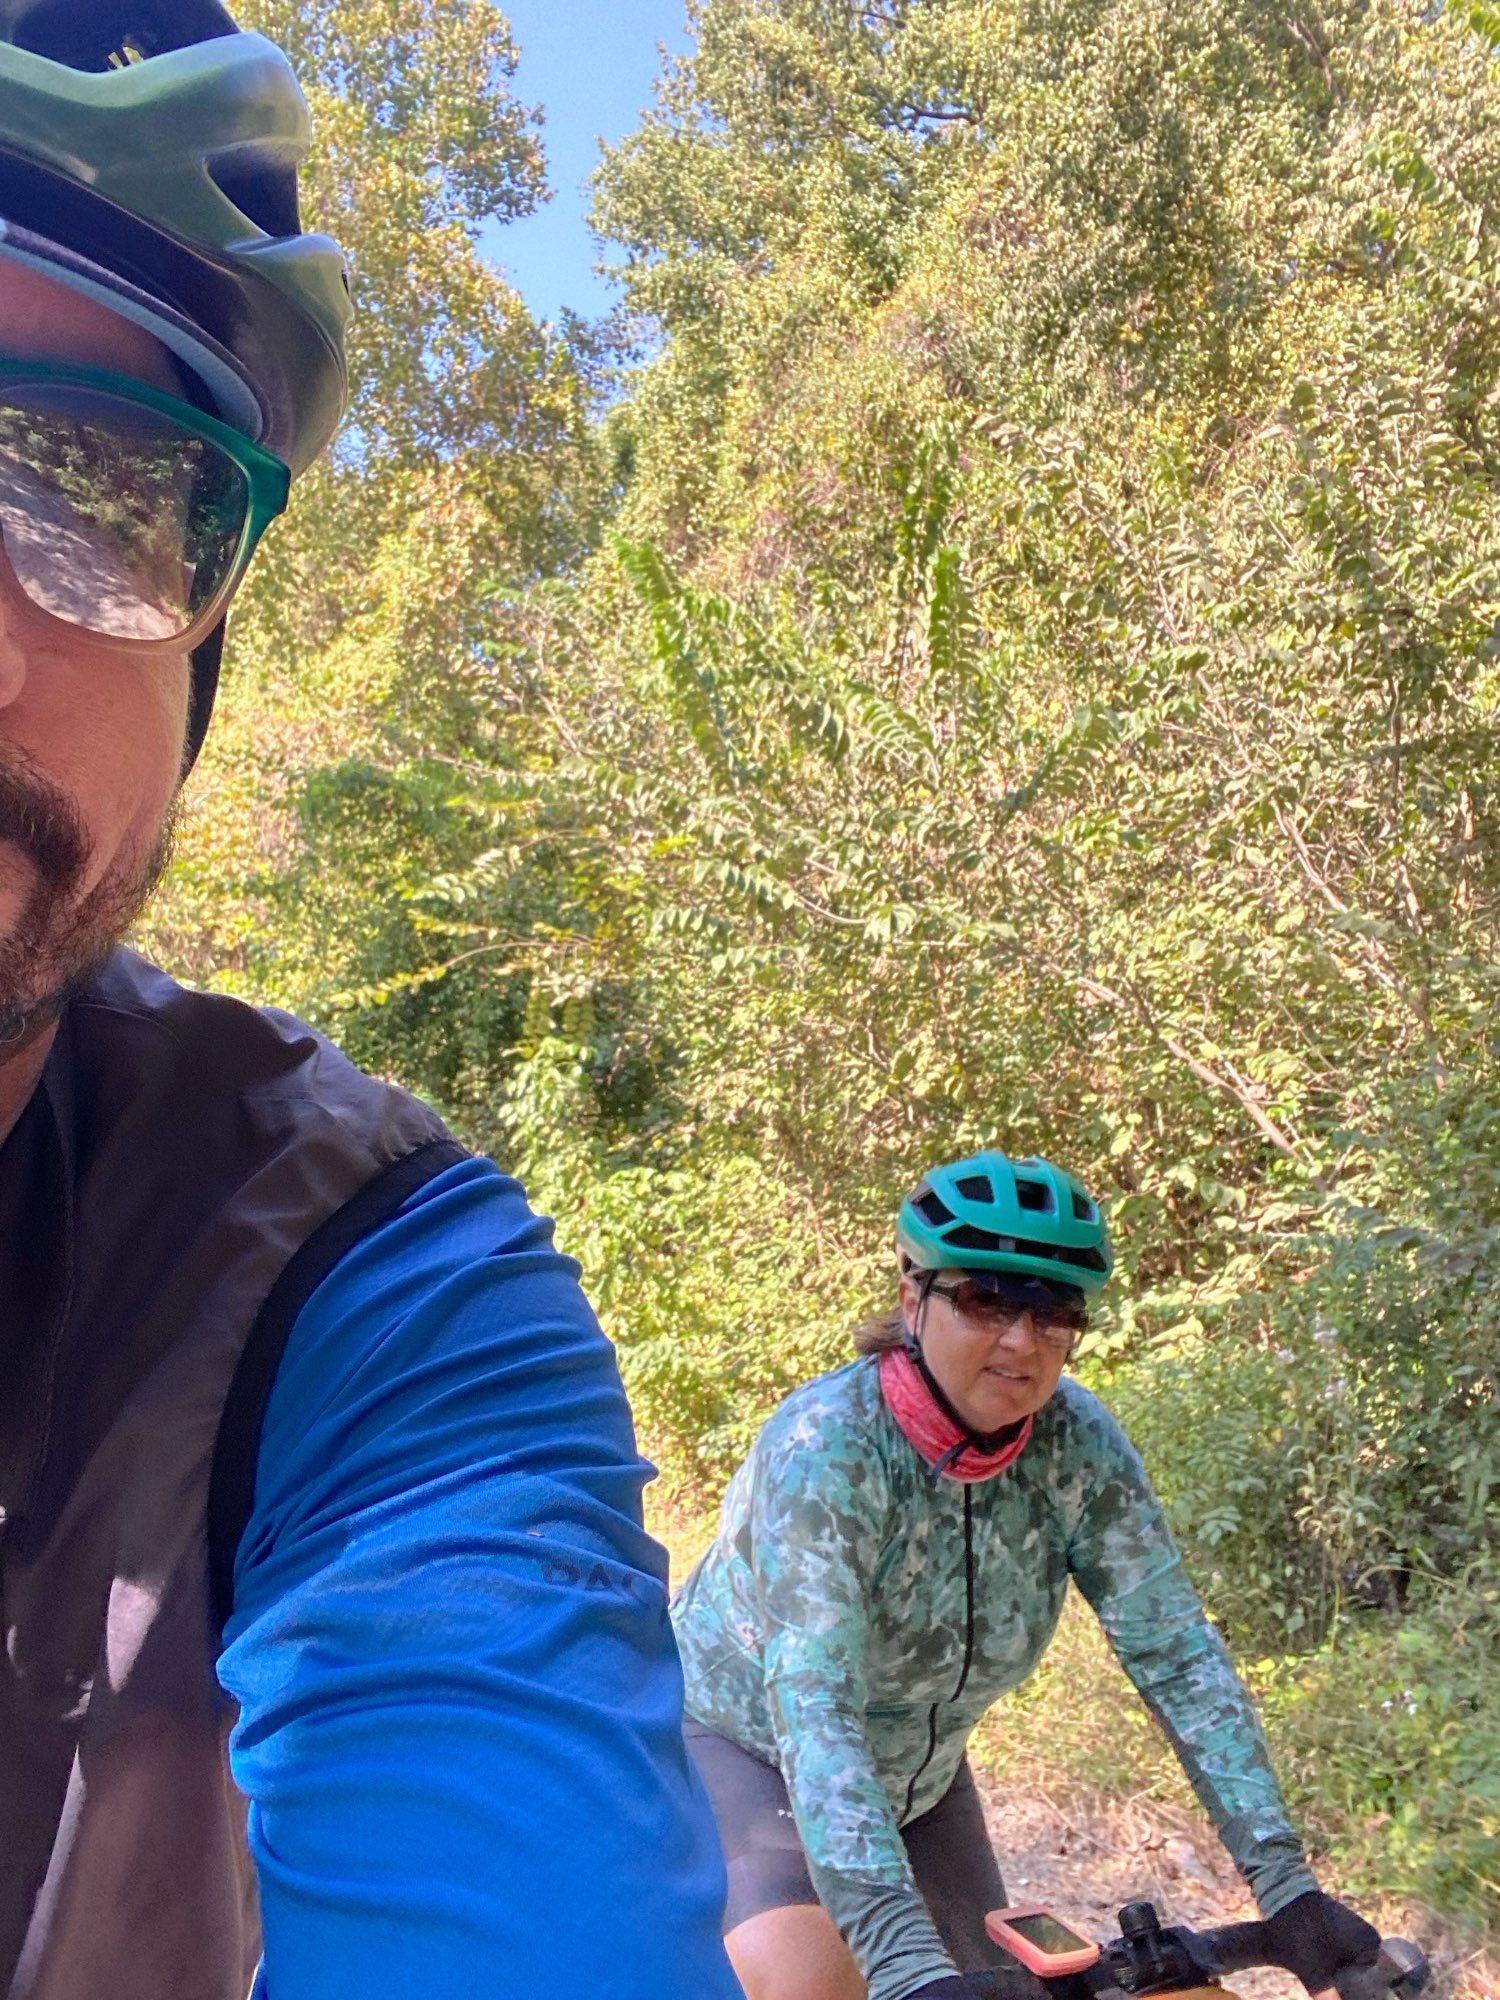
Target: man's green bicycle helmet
{"x": 149, "y": 153}
{"x": 148, "y": 157}
{"x": 992, "y": 1213}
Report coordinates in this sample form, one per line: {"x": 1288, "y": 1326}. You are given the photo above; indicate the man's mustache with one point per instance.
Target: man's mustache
{"x": 44, "y": 823}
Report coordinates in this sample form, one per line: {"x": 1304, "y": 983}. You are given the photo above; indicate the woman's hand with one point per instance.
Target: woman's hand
{"x": 1316, "y": 1937}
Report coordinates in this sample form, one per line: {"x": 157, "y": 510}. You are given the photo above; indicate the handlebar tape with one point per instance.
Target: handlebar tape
{"x": 1400, "y": 1970}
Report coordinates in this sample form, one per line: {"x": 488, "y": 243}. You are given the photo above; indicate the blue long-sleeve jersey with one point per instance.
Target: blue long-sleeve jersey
{"x": 460, "y": 1701}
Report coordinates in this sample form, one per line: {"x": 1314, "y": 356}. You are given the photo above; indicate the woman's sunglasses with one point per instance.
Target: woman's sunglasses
{"x": 124, "y": 512}
{"x": 990, "y": 1307}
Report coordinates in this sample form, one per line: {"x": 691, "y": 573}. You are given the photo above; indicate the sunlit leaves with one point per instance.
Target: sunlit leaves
{"x": 1040, "y": 685}
{"x": 1118, "y": 470}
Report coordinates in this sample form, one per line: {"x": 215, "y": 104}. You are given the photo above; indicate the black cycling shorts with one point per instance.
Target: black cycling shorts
{"x": 948, "y": 1848}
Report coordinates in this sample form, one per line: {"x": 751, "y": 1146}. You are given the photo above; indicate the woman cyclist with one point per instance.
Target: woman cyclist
{"x": 892, "y": 1556}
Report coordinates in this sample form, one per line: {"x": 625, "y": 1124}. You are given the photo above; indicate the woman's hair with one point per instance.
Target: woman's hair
{"x": 880, "y": 1333}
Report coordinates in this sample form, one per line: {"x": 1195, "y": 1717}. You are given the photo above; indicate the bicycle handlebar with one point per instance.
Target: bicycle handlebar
{"x": 1401, "y": 1968}
{"x": 1148, "y": 1958}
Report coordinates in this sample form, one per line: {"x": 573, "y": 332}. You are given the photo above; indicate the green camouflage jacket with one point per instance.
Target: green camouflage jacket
{"x": 828, "y": 1627}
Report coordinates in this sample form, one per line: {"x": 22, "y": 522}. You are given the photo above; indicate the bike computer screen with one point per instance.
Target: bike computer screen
{"x": 1043, "y": 1943}
{"x": 1048, "y": 1933}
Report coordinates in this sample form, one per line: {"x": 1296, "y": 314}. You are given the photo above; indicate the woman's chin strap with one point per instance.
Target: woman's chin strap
{"x": 986, "y": 1443}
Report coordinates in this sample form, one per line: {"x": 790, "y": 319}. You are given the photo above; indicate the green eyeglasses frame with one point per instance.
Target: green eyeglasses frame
{"x": 268, "y": 483}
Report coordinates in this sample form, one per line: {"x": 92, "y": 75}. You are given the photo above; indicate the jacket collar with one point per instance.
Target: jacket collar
{"x": 37, "y": 1264}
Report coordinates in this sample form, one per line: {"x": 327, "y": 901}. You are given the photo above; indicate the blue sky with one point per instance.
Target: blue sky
{"x": 590, "y": 64}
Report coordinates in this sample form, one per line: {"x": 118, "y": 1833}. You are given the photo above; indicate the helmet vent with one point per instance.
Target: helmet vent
{"x": 109, "y": 34}
{"x": 1084, "y": 1260}
{"x": 1083, "y": 1208}
{"x": 932, "y": 1208}
{"x": 976, "y": 1187}
{"x": 966, "y": 1237}
{"x": 1034, "y": 1195}
{"x": 266, "y": 195}
{"x": 1087, "y": 1260}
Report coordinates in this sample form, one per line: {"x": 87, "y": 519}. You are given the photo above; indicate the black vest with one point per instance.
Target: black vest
{"x": 187, "y": 1173}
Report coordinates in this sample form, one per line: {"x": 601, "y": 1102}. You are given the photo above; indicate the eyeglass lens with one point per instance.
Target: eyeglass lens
{"x": 1058, "y": 1328}
{"x": 115, "y": 519}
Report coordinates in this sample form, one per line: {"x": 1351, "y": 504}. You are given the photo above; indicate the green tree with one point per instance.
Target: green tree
{"x": 368, "y": 627}
{"x": 1046, "y": 684}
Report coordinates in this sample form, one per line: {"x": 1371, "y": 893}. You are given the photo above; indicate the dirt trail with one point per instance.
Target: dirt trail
{"x": 1084, "y": 1860}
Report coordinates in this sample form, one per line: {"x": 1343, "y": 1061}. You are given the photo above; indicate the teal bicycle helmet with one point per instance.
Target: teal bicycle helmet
{"x": 992, "y": 1213}
{"x": 149, "y": 153}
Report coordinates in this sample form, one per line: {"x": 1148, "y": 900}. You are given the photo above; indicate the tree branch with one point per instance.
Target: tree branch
{"x": 1238, "y": 1093}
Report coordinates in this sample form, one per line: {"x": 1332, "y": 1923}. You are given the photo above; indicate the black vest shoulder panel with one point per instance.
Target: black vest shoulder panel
{"x": 195, "y": 1167}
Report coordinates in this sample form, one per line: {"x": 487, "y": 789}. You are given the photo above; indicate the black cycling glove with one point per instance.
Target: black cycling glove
{"x": 1005, "y": 1983}
{"x": 1317, "y": 1937}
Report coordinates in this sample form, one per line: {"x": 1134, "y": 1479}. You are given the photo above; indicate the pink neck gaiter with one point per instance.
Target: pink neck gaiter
{"x": 933, "y": 1432}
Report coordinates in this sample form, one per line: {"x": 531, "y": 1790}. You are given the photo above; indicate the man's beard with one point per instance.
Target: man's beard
{"x": 61, "y": 938}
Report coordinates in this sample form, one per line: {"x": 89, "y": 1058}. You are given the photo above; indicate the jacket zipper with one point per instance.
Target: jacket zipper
{"x": 932, "y": 1713}
{"x": 968, "y": 1592}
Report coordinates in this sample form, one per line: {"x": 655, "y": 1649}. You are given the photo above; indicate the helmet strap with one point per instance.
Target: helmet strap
{"x": 205, "y": 685}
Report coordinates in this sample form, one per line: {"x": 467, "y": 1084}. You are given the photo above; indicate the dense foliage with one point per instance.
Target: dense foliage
{"x": 1019, "y": 665}
{"x": 467, "y": 452}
